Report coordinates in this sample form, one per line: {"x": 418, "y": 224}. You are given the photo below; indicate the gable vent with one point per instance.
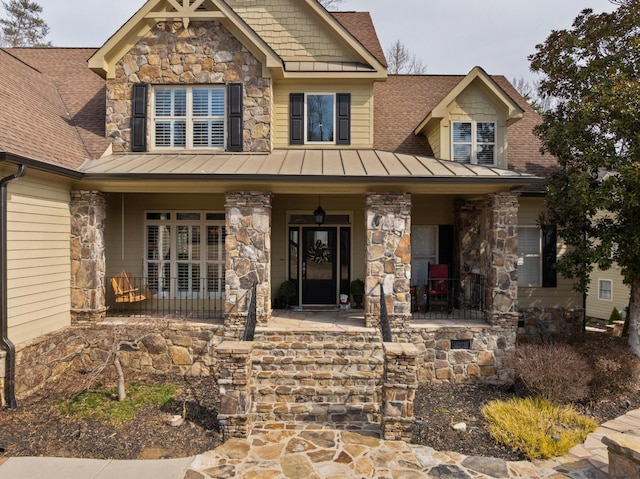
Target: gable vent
{"x": 460, "y": 344}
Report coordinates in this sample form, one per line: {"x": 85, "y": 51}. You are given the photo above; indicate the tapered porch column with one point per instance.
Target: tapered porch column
{"x": 501, "y": 260}
{"x": 388, "y": 228}
{"x": 248, "y": 256}
{"x": 88, "y": 213}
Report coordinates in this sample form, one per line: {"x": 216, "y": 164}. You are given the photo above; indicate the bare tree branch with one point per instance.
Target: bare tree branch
{"x": 400, "y": 60}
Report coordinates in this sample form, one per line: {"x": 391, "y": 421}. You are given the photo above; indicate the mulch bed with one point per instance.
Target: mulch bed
{"x": 38, "y": 428}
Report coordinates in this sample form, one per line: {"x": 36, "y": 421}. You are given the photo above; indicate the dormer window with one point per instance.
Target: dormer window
{"x": 474, "y": 142}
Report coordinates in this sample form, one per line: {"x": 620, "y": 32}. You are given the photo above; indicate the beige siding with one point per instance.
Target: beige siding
{"x": 473, "y": 105}
{"x": 601, "y": 308}
{"x": 38, "y": 255}
{"x": 563, "y": 295}
{"x": 361, "y": 109}
{"x": 290, "y": 29}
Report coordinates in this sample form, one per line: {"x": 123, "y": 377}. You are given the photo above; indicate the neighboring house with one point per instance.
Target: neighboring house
{"x": 606, "y": 291}
{"x": 193, "y": 148}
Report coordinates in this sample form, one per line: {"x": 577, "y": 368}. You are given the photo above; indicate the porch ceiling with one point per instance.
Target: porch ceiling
{"x": 297, "y": 171}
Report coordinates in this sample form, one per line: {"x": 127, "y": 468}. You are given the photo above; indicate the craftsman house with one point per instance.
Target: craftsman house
{"x": 212, "y": 146}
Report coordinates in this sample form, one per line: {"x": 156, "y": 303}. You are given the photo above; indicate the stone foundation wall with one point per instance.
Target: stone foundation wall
{"x": 551, "y": 325}
{"x": 488, "y": 360}
{"x": 234, "y": 382}
{"x": 165, "y": 348}
{"x": 399, "y": 391}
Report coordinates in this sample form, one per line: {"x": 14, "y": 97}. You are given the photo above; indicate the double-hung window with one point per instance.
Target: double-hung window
{"x": 189, "y": 117}
{"x": 529, "y": 256}
{"x": 320, "y": 118}
{"x": 185, "y": 255}
{"x": 605, "y": 289}
{"x": 474, "y": 142}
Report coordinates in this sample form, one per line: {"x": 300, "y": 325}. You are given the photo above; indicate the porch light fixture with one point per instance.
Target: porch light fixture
{"x": 319, "y": 214}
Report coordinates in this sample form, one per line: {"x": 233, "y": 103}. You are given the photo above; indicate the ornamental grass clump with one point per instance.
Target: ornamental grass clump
{"x": 537, "y": 427}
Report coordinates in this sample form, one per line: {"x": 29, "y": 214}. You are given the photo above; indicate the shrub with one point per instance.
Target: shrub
{"x": 615, "y": 315}
{"x": 556, "y": 372}
{"x": 615, "y": 367}
{"x": 536, "y": 427}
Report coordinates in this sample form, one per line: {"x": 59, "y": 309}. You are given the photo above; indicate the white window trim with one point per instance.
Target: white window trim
{"x": 474, "y": 141}
{"x": 306, "y": 120}
{"x": 415, "y": 258}
{"x": 531, "y": 255}
{"x": 189, "y": 118}
{"x": 600, "y": 281}
{"x": 173, "y": 261}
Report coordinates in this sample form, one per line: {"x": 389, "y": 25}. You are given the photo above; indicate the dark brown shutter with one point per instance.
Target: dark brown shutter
{"x": 235, "y": 115}
{"x": 343, "y": 118}
{"x": 549, "y": 257}
{"x": 139, "y": 117}
{"x": 296, "y": 118}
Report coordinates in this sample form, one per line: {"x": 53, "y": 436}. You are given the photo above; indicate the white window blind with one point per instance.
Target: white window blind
{"x": 529, "y": 256}
{"x": 474, "y": 142}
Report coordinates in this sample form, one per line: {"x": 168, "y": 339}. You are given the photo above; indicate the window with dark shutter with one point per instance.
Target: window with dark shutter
{"x": 549, "y": 257}
{"x": 296, "y": 119}
{"x": 343, "y": 118}
{"x": 235, "y": 118}
{"x": 139, "y": 118}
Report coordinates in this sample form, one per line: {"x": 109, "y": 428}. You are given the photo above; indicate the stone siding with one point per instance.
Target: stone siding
{"x": 205, "y": 53}
{"x": 399, "y": 391}
{"x": 543, "y": 325}
{"x": 248, "y": 252}
{"x": 88, "y": 215}
{"x": 388, "y": 258}
{"x": 501, "y": 260}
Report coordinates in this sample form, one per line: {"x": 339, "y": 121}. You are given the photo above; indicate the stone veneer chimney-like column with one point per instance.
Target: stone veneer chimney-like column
{"x": 88, "y": 213}
{"x": 248, "y": 256}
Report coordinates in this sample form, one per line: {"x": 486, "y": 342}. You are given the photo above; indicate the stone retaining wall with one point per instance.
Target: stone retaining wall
{"x": 488, "y": 360}
{"x": 624, "y": 456}
{"x": 164, "y": 348}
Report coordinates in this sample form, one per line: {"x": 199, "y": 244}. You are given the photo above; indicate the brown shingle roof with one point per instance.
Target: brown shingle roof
{"x": 82, "y": 91}
{"x": 403, "y": 101}
{"x": 34, "y": 121}
{"x": 360, "y": 25}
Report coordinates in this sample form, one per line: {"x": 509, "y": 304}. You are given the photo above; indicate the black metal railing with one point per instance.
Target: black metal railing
{"x": 384, "y": 318}
{"x": 197, "y": 298}
{"x": 252, "y": 316}
{"x": 450, "y": 298}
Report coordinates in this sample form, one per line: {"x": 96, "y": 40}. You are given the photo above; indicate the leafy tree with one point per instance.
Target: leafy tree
{"x": 401, "y": 60}
{"x": 330, "y": 4}
{"x": 23, "y": 26}
{"x": 592, "y": 70}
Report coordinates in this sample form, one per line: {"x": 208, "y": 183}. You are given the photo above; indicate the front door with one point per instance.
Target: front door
{"x": 319, "y": 265}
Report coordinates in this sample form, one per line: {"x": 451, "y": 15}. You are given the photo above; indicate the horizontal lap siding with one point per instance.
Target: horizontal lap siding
{"x": 600, "y": 308}
{"x": 361, "y": 111}
{"x": 562, "y": 296}
{"x": 38, "y": 258}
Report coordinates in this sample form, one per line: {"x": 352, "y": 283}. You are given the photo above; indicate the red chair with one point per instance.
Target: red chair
{"x": 438, "y": 289}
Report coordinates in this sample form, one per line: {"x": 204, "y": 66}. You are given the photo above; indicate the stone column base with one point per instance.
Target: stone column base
{"x": 87, "y": 315}
{"x": 398, "y": 428}
{"x": 235, "y": 425}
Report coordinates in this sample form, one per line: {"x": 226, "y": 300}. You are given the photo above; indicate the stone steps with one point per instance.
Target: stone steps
{"x": 318, "y": 412}
{"x": 318, "y": 377}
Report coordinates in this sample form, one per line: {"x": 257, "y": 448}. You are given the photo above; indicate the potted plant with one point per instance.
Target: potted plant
{"x": 357, "y": 291}
{"x": 287, "y": 291}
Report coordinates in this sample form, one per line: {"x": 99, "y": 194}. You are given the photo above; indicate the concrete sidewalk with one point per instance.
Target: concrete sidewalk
{"x": 67, "y": 468}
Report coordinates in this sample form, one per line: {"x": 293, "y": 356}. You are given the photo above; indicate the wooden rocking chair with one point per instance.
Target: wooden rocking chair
{"x": 126, "y": 290}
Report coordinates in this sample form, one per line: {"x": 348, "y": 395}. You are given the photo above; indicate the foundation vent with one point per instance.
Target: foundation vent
{"x": 460, "y": 344}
